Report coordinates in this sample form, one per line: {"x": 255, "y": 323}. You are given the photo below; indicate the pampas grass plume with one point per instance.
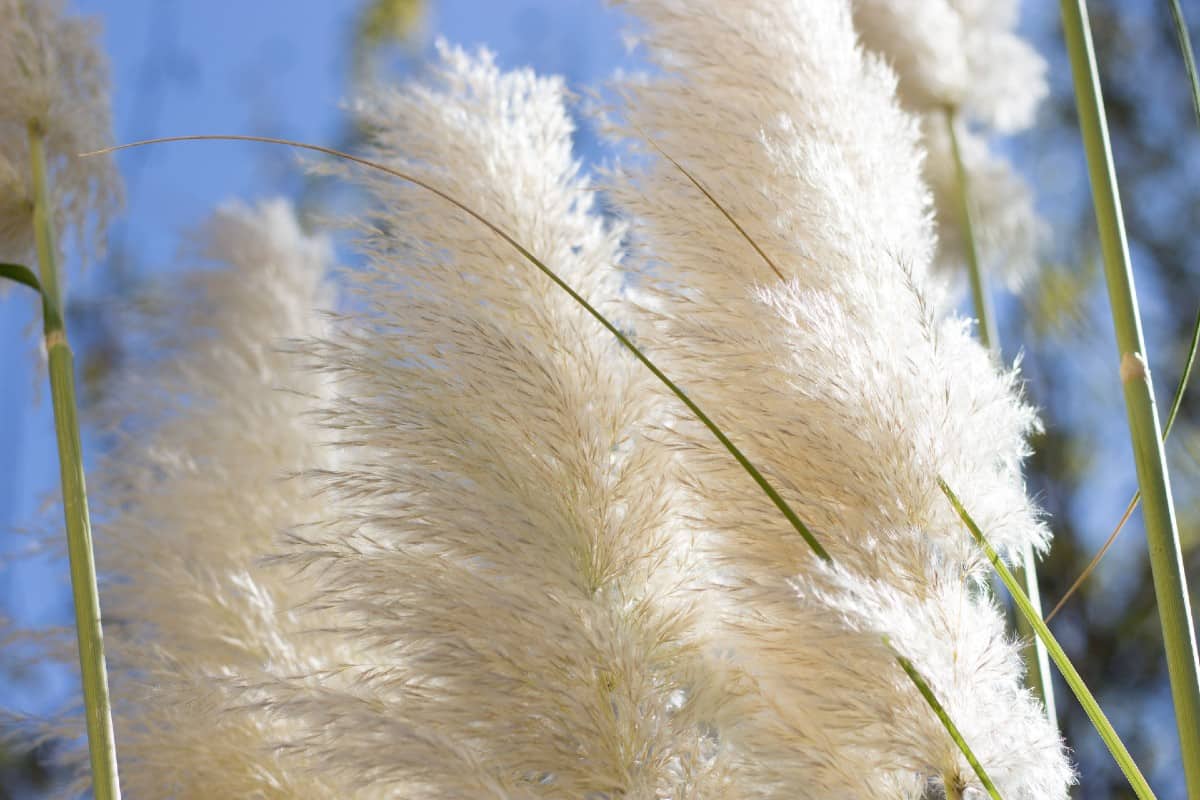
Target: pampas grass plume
{"x": 211, "y": 435}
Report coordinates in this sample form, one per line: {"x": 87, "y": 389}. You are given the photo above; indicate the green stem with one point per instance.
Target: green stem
{"x": 979, "y": 294}
{"x": 101, "y": 745}
{"x": 1037, "y": 660}
{"x": 1166, "y": 558}
{"x": 1189, "y": 62}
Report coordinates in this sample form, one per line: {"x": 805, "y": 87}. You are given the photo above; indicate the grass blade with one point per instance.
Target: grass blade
{"x": 713, "y": 200}
{"x": 20, "y": 274}
{"x": 1057, "y": 655}
{"x": 952, "y": 729}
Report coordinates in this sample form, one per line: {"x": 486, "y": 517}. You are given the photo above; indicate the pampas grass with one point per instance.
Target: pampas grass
{"x": 824, "y": 377}
{"x": 217, "y": 420}
{"x": 563, "y": 505}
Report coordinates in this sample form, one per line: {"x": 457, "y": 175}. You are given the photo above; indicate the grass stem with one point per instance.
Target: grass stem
{"x": 1162, "y": 535}
{"x": 1189, "y": 62}
{"x": 101, "y": 743}
{"x": 1037, "y": 660}
{"x": 984, "y": 314}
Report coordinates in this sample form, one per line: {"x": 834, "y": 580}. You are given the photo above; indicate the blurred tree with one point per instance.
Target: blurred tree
{"x": 386, "y": 23}
{"x": 27, "y": 771}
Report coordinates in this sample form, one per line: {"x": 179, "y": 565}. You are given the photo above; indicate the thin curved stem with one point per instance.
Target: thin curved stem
{"x": 758, "y": 477}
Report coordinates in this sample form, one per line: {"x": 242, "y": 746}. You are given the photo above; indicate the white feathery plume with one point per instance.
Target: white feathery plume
{"x": 500, "y": 538}
{"x": 851, "y": 386}
{"x": 53, "y": 75}
{"x": 964, "y": 56}
{"x": 201, "y": 484}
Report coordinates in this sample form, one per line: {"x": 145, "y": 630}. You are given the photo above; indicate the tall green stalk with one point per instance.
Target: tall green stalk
{"x": 979, "y": 294}
{"x": 1166, "y": 559}
{"x": 101, "y": 744}
{"x": 1189, "y": 63}
{"x": 1037, "y": 660}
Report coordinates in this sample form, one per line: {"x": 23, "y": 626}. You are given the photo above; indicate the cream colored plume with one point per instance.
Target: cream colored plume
{"x": 54, "y": 76}
{"x": 505, "y": 542}
{"x": 850, "y": 385}
{"x": 212, "y": 433}
{"x": 473, "y": 549}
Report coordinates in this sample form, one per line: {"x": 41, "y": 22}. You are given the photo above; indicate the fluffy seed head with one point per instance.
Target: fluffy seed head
{"x": 211, "y": 435}
{"x": 961, "y": 54}
{"x": 1007, "y": 228}
{"x": 849, "y": 383}
{"x": 529, "y": 573}
{"x": 502, "y": 540}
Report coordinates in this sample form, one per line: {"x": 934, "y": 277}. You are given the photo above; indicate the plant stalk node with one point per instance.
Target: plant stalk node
{"x": 1134, "y": 368}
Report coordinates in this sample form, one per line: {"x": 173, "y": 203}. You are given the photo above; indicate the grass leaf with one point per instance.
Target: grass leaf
{"x": 952, "y": 729}
{"x": 1125, "y": 761}
{"x": 20, "y": 274}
